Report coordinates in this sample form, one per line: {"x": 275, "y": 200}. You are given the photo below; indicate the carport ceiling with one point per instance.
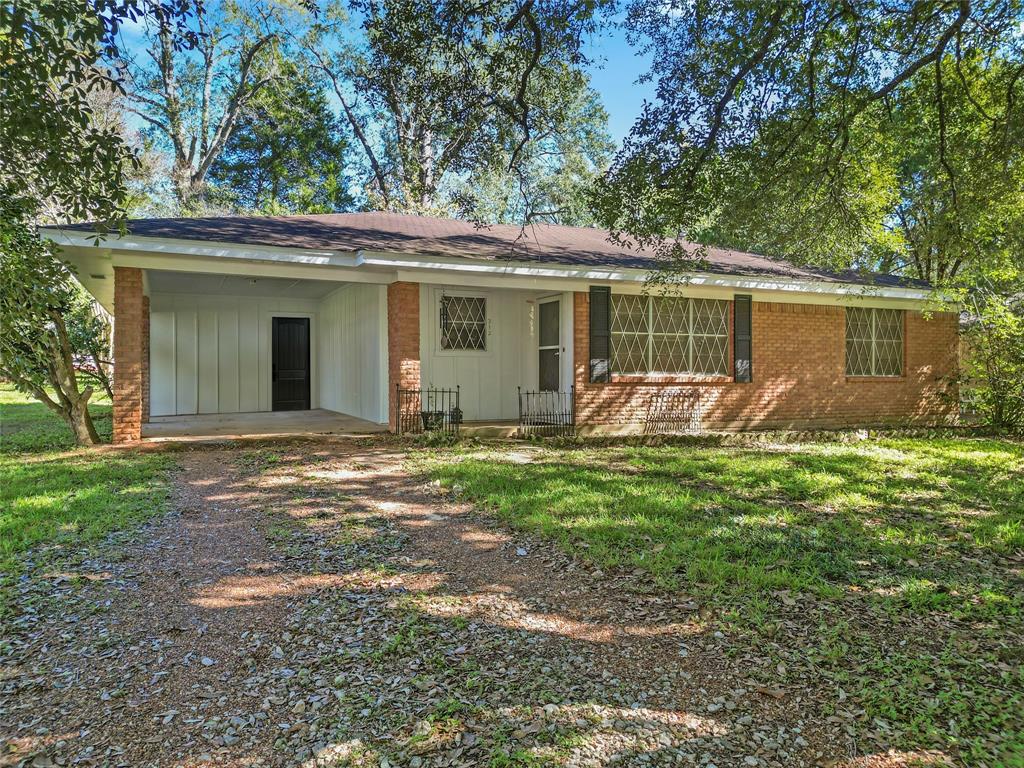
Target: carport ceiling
{"x": 238, "y": 285}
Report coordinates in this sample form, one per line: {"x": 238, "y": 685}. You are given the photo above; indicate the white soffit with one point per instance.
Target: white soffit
{"x": 162, "y": 281}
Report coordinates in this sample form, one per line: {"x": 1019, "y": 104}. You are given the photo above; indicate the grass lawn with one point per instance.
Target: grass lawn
{"x": 59, "y": 498}
{"x": 889, "y": 572}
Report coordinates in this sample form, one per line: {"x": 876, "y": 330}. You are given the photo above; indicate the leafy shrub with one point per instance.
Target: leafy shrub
{"x": 993, "y": 364}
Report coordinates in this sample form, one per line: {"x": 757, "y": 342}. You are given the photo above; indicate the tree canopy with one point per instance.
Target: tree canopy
{"x": 192, "y": 81}
{"x": 53, "y": 59}
{"x": 868, "y": 134}
{"x": 287, "y": 153}
{"x": 441, "y": 94}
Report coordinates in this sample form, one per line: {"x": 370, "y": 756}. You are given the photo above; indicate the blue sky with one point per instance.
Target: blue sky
{"x": 614, "y": 72}
{"x": 616, "y": 69}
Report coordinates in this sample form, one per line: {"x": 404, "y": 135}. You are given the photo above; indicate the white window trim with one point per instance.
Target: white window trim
{"x": 436, "y": 323}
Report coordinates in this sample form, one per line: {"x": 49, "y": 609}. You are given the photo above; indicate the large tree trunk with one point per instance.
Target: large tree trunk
{"x": 74, "y": 402}
{"x": 80, "y": 421}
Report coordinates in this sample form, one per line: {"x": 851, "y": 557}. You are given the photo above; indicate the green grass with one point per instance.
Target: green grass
{"x": 893, "y": 555}
{"x": 60, "y": 498}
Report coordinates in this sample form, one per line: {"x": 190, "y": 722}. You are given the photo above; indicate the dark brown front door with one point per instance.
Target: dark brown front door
{"x": 290, "y": 371}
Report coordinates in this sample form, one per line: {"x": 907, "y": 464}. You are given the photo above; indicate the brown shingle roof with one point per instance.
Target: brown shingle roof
{"x": 428, "y": 236}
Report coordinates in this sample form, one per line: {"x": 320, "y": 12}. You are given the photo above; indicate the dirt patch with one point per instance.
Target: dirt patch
{"x": 313, "y": 603}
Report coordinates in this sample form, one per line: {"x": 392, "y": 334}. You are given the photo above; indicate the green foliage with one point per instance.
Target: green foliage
{"x": 59, "y": 498}
{"x": 91, "y": 337}
{"x": 48, "y": 325}
{"x": 946, "y": 207}
{"x": 439, "y": 95}
{"x": 994, "y": 363}
{"x": 884, "y": 568}
{"x": 58, "y": 153}
{"x": 286, "y": 154}
{"x": 553, "y": 179}
{"x": 840, "y": 135}
{"x": 196, "y": 76}
{"x": 51, "y": 61}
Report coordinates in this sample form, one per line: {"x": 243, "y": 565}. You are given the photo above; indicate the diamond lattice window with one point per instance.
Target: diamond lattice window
{"x": 664, "y": 334}
{"x": 463, "y": 323}
{"x": 874, "y": 342}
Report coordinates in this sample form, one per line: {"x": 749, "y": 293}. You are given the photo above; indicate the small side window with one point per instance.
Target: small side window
{"x": 874, "y": 341}
{"x": 463, "y": 323}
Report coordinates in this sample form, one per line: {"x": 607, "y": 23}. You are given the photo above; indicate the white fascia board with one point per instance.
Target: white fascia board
{"x": 387, "y": 266}
{"x": 499, "y": 268}
{"x": 207, "y": 265}
{"x": 579, "y": 277}
{"x": 171, "y": 246}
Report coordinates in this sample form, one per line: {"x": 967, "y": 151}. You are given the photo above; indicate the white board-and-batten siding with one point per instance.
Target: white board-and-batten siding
{"x": 211, "y": 354}
{"x": 353, "y": 351}
{"x": 488, "y": 379}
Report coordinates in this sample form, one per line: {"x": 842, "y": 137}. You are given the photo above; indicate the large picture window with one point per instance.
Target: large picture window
{"x": 667, "y": 334}
{"x": 874, "y": 342}
{"x": 463, "y": 323}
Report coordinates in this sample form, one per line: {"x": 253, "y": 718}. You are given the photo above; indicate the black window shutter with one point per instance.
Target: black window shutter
{"x": 600, "y": 333}
{"x": 741, "y": 339}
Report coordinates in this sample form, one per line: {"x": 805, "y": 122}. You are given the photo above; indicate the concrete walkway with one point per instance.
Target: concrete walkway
{"x": 223, "y": 425}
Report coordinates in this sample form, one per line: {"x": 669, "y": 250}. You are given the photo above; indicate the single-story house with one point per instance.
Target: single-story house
{"x": 348, "y": 313}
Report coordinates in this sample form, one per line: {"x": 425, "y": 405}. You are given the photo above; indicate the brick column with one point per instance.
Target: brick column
{"x": 580, "y": 352}
{"x": 403, "y": 342}
{"x": 129, "y": 306}
{"x": 145, "y": 359}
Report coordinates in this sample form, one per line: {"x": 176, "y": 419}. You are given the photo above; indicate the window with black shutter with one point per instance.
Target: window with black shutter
{"x": 741, "y": 341}
{"x": 600, "y": 333}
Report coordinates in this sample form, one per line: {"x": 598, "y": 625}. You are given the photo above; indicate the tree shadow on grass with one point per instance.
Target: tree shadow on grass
{"x": 418, "y": 630}
{"x": 821, "y": 521}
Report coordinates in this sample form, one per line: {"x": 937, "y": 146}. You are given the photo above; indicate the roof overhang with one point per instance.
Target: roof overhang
{"x": 95, "y": 257}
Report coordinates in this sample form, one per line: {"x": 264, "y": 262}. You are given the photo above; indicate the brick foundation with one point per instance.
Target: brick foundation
{"x": 403, "y": 342}
{"x": 131, "y": 320}
{"x": 799, "y": 379}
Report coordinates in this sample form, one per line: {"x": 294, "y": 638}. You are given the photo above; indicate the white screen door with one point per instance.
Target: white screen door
{"x": 548, "y": 346}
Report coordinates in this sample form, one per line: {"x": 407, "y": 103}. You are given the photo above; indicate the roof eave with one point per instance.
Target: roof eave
{"x": 411, "y": 263}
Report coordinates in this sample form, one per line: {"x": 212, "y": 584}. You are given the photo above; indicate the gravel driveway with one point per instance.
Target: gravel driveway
{"x": 316, "y": 603}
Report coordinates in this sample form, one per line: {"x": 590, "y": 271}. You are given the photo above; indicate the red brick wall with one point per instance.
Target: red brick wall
{"x": 145, "y": 359}
{"x": 129, "y": 314}
{"x": 403, "y": 341}
{"x": 799, "y": 377}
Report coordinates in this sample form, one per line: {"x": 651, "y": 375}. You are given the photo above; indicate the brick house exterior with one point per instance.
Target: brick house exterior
{"x": 798, "y": 377}
{"x": 392, "y": 302}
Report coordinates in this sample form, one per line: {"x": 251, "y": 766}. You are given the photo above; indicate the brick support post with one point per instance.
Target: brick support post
{"x": 129, "y": 362}
{"x": 403, "y": 342}
{"x": 145, "y": 359}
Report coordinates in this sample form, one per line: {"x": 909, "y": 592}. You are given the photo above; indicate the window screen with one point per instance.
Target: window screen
{"x": 665, "y": 334}
{"x": 874, "y": 342}
{"x": 463, "y": 322}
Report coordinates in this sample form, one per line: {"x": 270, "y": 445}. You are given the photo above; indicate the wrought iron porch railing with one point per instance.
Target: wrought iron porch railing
{"x": 547, "y": 414}
{"x": 674, "y": 413}
{"x": 427, "y": 410}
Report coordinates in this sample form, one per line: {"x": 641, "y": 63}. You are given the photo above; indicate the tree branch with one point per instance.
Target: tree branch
{"x": 357, "y": 127}
{"x": 909, "y": 71}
